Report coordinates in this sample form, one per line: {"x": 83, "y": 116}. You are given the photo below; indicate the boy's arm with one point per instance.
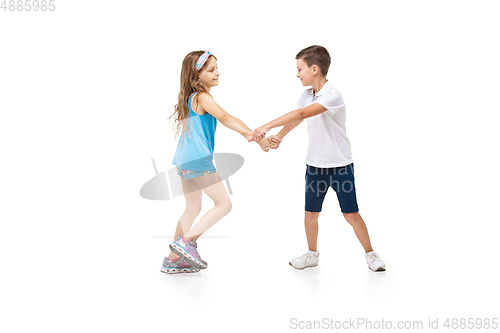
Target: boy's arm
{"x": 276, "y": 140}
{"x": 287, "y": 129}
{"x": 290, "y": 118}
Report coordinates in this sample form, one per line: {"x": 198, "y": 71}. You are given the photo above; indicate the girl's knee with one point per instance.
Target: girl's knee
{"x": 225, "y": 206}
{"x": 193, "y": 210}
{"x": 229, "y": 206}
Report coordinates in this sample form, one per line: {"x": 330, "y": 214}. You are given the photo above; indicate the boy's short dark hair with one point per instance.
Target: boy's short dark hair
{"x": 316, "y": 55}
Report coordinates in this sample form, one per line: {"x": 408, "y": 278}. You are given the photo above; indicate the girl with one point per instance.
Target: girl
{"x": 196, "y": 116}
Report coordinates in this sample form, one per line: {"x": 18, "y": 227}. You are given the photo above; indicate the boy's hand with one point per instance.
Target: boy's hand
{"x": 264, "y": 145}
{"x": 260, "y": 132}
{"x": 275, "y": 141}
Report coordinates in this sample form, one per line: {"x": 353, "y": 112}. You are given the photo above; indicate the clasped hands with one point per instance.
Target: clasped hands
{"x": 265, "y": 143}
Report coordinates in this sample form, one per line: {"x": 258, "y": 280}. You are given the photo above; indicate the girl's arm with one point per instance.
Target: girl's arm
{"x": 209, "y": 105}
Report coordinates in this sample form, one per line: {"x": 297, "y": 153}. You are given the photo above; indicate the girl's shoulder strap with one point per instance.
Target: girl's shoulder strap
{"x": 191, "y": 112}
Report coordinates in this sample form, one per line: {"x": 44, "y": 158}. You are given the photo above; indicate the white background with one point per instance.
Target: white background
{"x": 85, "y": 93}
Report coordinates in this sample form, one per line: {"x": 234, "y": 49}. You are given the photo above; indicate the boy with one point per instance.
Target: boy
{"x": 329, "y": 161}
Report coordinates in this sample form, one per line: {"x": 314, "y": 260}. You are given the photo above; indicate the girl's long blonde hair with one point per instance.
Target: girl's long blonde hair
{"x": 190, "y": 83}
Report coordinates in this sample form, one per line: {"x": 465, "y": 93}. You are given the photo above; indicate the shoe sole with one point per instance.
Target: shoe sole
{"x": 187, "y": 256}
{"x": 302, "y": 267}
{"x": 380, "y": 269}
{"x": 177, "y": 271}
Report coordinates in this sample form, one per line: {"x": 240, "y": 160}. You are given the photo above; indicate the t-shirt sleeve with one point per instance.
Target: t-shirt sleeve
{"x": 300, "y": 102}
{"x": 332, "y": 101}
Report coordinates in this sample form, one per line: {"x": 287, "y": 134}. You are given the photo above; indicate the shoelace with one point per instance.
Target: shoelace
{"x": 195, "y": 247}
{"x": 306, "y": 257}
{"x": 373, "y": 256}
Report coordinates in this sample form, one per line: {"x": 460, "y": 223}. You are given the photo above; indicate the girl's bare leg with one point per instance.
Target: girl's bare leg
{"x": 217, "y": 192}
{"x": 193, "y": 208}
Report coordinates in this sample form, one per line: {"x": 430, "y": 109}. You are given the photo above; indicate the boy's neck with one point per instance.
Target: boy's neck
{"x": 318, "y": 84}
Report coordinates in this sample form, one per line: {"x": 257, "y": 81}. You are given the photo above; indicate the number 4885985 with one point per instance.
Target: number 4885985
{"x": 28, "y": 5}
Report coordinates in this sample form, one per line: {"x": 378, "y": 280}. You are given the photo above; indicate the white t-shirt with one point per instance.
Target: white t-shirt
{"x": 328, "y": 145}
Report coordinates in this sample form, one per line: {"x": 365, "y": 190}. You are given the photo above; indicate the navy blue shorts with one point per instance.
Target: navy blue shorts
{"x": 341, "y": 179}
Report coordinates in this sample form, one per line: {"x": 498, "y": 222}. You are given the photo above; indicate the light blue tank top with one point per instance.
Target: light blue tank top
{"x": 196, "y": 151}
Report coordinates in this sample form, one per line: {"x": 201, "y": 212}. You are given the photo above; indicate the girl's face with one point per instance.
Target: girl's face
{"x": 209, "y": 75}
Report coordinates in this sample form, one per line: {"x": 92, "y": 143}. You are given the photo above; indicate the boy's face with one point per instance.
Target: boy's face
{"x": 305, "y": 73}
{"x": 209, "y": 75}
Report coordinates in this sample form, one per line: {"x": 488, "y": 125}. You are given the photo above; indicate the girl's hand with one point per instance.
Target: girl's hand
{"x": 275, "y": 141}
{"x": 264, "y": 145}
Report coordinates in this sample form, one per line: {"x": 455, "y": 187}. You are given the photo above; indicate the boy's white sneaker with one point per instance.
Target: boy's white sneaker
{"x": 374, "y": 262}
{"x": 310, "y": 259}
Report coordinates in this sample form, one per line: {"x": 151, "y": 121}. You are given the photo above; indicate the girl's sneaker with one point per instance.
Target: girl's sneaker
{"x": 177, "y": 266}
{"x": 310, "y": 259}
{"x": 374, "y": 262}
{"x": 188, "y": 251}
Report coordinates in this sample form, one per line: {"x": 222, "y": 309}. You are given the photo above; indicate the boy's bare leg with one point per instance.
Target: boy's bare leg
{"x": 311, "y": 225}
{"x": 360, "y": 230}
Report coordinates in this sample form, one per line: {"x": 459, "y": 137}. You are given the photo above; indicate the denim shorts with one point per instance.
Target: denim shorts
{"x": 341, "y": 179}
{"x": 188, "y": 174}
